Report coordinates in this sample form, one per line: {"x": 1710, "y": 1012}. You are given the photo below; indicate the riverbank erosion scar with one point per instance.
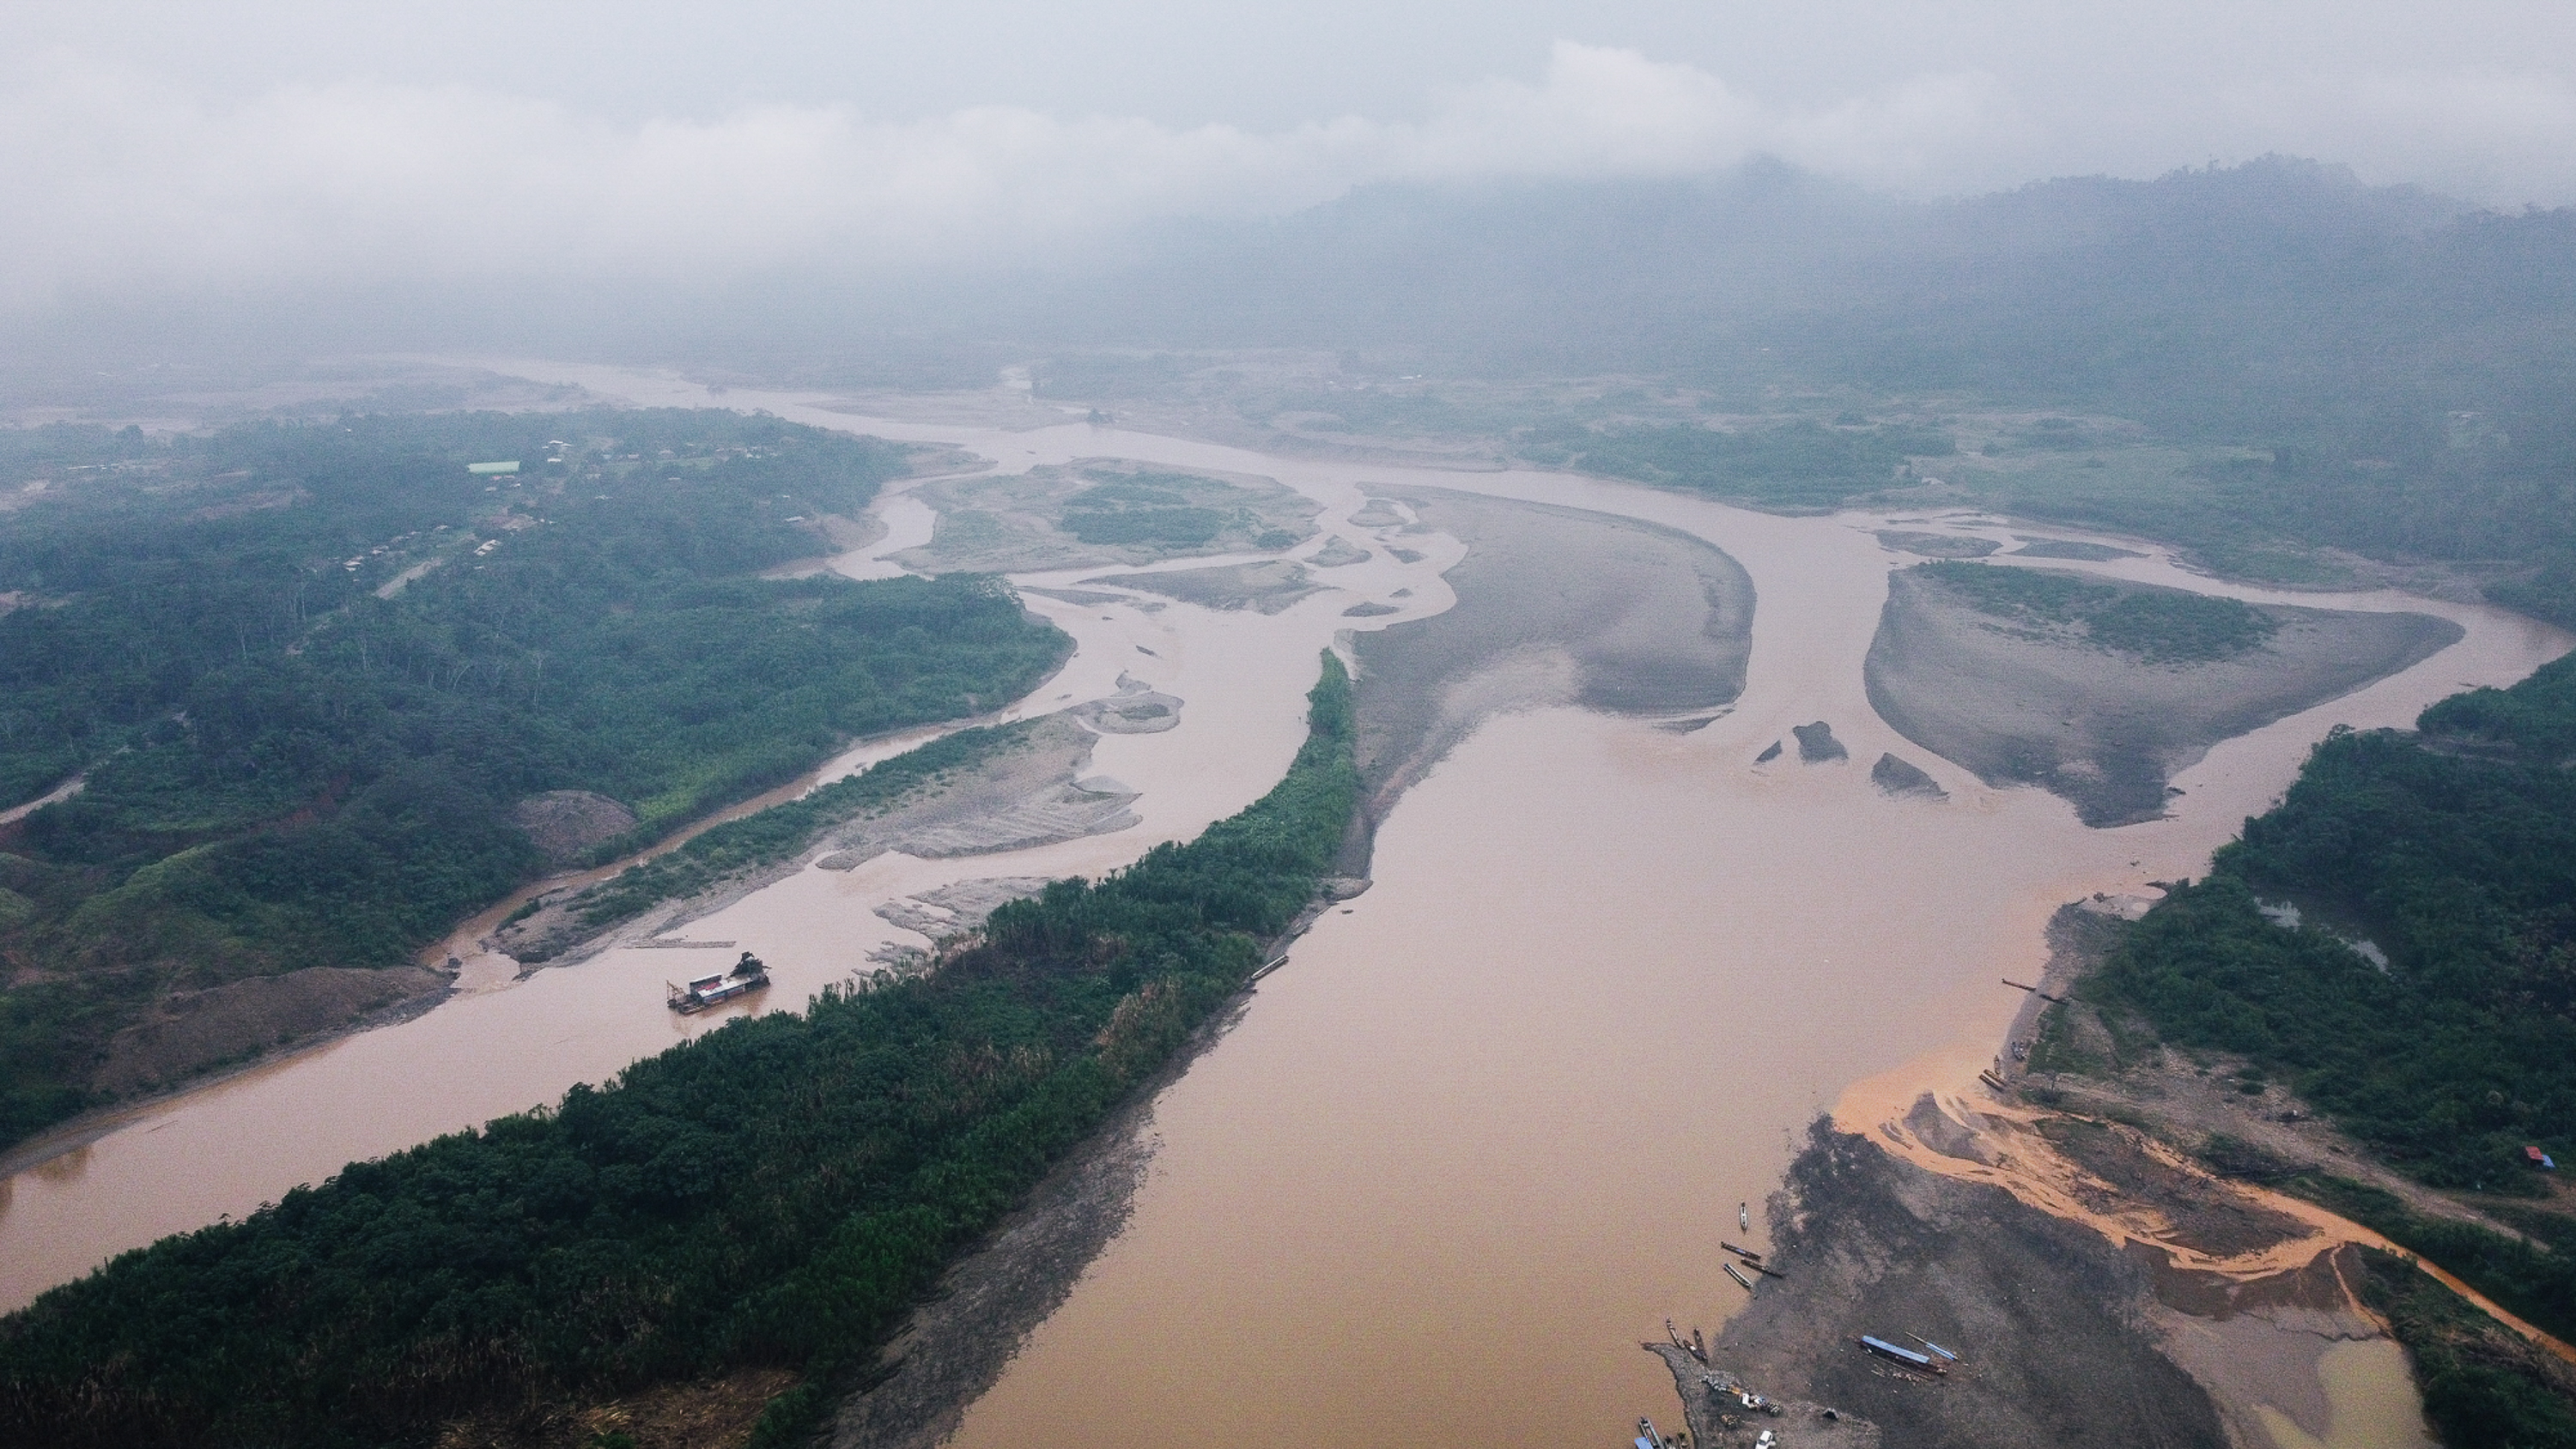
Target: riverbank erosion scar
{"x": 1555, "y": 606}
{"x": 2047, "y": 1314}
{"x": 2031, "y": 696}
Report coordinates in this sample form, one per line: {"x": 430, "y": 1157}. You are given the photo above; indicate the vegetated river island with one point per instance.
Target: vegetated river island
{"x": 1459, "y": 1157}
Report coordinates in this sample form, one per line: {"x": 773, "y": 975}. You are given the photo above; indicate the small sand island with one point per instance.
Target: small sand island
{"x": 1897, "y": 777}
{"x": 1021, "y": 785}
{"x": 1099, "y": 511}
{"x": 2099, "y": 691}
{"x": 1267, "y": 587}
{"x": 1555, "y": 606}
{"x": 1338, "y": 552}
{"x": 1817, "y": 745}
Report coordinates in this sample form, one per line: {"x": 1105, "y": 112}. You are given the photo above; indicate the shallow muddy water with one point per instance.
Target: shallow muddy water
{"x": 1480, "y": 1136}
{"x": 2365, "y": 1385}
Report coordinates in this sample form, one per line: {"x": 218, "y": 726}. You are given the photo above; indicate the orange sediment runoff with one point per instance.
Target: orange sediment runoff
{"x": 1996, "y": 1144}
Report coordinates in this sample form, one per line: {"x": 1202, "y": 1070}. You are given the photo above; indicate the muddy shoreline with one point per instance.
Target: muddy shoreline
{"x": 2074, "y": 1263}
{"x": 958, "y": 1344}
{"x": 2064, "y": 1336}
{"x": 962, "y": 1338}
{"x": 2048, "y": 1317}
{"x": 2103, "y": 730}
{"x": 79, "y": 1132}
{"x": 2098, "y": 1288}
{"x": 478, "y": 936}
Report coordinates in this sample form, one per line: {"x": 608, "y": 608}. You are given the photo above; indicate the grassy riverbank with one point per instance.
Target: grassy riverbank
{"x": 778, "y": 1192}
{"x": 317, "y": 676}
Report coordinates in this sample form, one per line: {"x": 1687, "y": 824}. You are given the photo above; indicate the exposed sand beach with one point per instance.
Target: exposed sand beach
{"x": 2103, "y": 729}
{"x": 1606, "y": 972}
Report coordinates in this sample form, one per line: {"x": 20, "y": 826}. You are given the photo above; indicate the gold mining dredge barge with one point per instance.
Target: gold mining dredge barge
{"x": 747, "y": 976}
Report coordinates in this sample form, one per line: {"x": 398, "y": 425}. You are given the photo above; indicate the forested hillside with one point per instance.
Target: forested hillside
{"x": 2453, "y": 853}
{"x": 2424, "y": 998}
{"x": 777, "y": 1192}
{"x": 307, "y": 673}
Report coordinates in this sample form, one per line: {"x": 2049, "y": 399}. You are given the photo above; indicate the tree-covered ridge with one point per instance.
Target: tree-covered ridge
{"x": 308, "y": 670}
{"x": 777, "y": 1192}
{"x": 2157, "y": 625}
{"x": 2459, "y": 864}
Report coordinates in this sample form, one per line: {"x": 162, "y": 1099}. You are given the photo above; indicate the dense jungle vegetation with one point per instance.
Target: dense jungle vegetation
{"x": 2482, "y": 1387}
{"x": 2453, "y": 851}
{"x": 1141, "y": 508}
{"x": 306, "y": 671}
{"x": 779, "y": 1191}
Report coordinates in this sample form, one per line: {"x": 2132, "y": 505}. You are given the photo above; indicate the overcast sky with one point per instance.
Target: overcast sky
{"x": 196, "y": 144}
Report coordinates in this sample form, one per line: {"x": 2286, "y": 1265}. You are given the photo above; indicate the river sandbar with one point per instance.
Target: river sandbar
{"x": 1555, "y": 606}
{"x": 2101, "y": 729}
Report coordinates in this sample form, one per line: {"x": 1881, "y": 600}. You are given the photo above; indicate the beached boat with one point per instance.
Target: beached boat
{"x": 1906, "y": 1356}
{"x": 1647, "y": 1438}
{"x": 1752, "y": 1259}
{"x": 748, "y": 975}
{"x": 1747, "y": 1283}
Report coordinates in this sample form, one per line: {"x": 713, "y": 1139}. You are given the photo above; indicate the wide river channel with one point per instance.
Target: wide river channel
{"x": 1480, "y": 1136}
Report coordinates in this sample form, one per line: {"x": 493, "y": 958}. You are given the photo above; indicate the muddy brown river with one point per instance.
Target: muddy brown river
{"x": 1430, "y": 1187}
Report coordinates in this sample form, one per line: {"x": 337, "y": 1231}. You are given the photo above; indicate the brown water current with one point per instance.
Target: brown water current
{"x": 1482, "y": 1133}
{"x": 1438, "y": 1175}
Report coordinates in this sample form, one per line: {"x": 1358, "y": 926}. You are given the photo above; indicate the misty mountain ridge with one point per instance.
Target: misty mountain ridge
{"x": 1418, "y": 265}
{"x": 1497, "y": 278}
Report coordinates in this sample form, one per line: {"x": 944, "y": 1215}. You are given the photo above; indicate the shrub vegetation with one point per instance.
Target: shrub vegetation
{"x": 2165, "y": 626}
{"x": 2453, "y": 851}
{"x": 307, "y": 670}
{"x": 779, "y": 1191}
